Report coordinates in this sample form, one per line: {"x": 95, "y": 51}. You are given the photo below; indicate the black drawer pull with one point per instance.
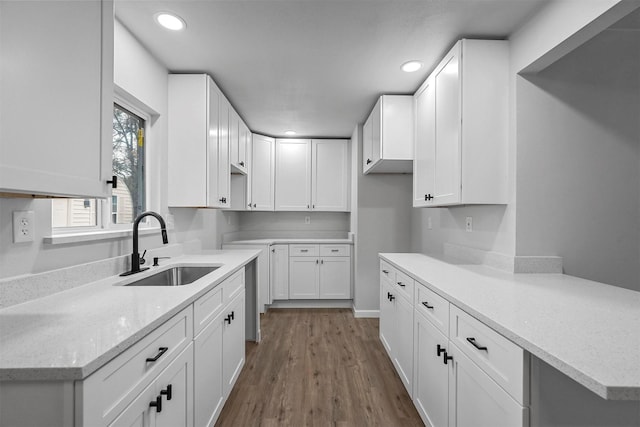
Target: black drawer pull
{"x": 385, "y": 271}
{"x": 446, "y": 357}
{"x": 440, "y": 350}
{"x": 161, "y": 351}
{"x": 156, "y": 404}
{"x": 426, "y": 304}
{"x": 391, "y": 297}
{"x": 401, "y": 284}
{"x": 167, "y": 392}
{"x": 473, "y": 343}
{"x": 334, "y": 250}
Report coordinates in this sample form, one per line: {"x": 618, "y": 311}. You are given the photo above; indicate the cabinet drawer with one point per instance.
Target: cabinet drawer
{"x": 387, "y": 272}
{"x": 404, "y": 284}
{"x": 304, "y": 250}
{"x": 433, "y": 306}
{"x": 206, "y": 308}
{"x": 505, "y": 362}
{"x": 111, "y": 388}
{"x": 232, "y": 286}
{"x": 335, "y": 250}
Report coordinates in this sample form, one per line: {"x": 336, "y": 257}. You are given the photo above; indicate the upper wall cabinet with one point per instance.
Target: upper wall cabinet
{"x": 198, "y": 143}
{"x": 56, "y": 81}
{"x": 238, "y": 135}
{"x": 312, "y": 175}
{"x": 461, "y": 121}
{"x": 387, "y": 136}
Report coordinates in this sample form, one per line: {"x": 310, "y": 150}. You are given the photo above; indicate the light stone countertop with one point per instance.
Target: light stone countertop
{"x": 71, "y": 334}
{"x": 290, "y": 241}
{"x": 587, "y": 330}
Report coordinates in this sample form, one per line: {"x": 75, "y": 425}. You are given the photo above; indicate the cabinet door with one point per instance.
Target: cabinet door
{"x": 403, "y": 352}
{"x": 367, "y": 144}
{"x": 431, "y": 375}
{"x": 425, "y": 145}
{"x": 234, "y": 137}
{"x": 376, "y": 132}
{"x": 335, "y": 278}
{"x": 387, "y": 316}
{"x": 262, "y": 174}
{"x": 177, "y": 411}
{"x": 223, "y": 165}
{"x": 208, "y": 384}
{"x": 330, "y": 181}
{"x": 447, "y": 124}
{"x": 279, "y": 272}
{"x": 213, "y": 140}
{"x": 476, "y": 400}
{"x": 56, "y": 81}
{"x": 243, "y": 142}
{"x": 233, "y": 341}
{"x": 303, "y": 278}
{"x": 293, "y": 174}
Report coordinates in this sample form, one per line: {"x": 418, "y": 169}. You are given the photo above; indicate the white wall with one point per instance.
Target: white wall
{"x": 383, "y": 225}
{"x": 578, "y": 160}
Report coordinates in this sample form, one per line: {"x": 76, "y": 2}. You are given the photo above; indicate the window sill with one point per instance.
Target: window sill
{"x": 91, "y": 236}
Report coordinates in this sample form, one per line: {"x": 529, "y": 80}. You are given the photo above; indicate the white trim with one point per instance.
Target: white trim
{"x": 64, "y": 238}
{"x": 371, "y": 314}
{"x": 304, "y": 303}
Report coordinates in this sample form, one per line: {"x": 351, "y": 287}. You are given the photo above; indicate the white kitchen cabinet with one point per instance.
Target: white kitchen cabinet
{"x": 312, "y": 175}
{"x": 41, "y": 101}
{"x": 198, "y": 143}
{"x": 387, "y": 309}
{"x": 319, "y": 272}
{"x": 237, "y": 143}
{"x": 330, "y": 175}
{"x": 304, "y": 281}
{"x": 262, "y": 173}
{"x": 293, "y": 175}
{"x": 208, "y": 383}
{"x": 279, "y": 270}
{"x": 388, "y": 136}
{"x": 171, "y": 397}
{"x": 461, "y": 127}
{"x": 431, "y": 375}
{"x": 233, "y": 342}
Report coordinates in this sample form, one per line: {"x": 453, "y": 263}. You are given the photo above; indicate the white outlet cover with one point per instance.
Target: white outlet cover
{"x": 307, "y": 220}
{"x": 469, "y": 224}
{"x": 23, "y": 226}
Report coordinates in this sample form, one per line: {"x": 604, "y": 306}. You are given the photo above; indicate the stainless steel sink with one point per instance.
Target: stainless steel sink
{"x": 176, "y": 276}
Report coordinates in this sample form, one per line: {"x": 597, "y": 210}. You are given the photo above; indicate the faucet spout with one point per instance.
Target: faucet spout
{"x": 135, "y": 256}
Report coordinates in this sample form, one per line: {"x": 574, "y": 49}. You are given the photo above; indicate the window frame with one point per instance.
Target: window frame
{"x": 103, "y": 206}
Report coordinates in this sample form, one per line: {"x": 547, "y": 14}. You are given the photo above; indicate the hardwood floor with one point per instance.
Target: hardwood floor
{"x": 318, "y": 367}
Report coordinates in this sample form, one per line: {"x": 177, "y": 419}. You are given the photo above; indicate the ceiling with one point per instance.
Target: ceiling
{"x": 314, "y": 66}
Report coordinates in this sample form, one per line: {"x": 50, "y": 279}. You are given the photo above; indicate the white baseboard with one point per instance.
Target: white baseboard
{"x": 374, "y": 314}
{"x": 303, "y": 303}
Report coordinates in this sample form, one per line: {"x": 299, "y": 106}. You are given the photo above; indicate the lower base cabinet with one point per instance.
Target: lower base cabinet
{"x": 319, "y": 272}
{"x": 166, "y": 402}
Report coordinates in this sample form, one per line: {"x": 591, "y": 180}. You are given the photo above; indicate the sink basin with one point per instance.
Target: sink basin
{"x": 176, "y": 276}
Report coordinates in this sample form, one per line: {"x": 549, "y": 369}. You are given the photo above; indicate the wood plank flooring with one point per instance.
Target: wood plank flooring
{"x": 318, "y": 367}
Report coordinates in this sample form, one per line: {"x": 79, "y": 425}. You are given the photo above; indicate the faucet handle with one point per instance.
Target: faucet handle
{"x": 156, "y": 258}
{"x": 142, "y": 260}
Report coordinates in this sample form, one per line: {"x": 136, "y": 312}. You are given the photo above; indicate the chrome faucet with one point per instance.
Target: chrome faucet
{"x": 135, "y": 256}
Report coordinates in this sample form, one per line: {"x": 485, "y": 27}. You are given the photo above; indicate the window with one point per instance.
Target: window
{"x": 128, "y": 199}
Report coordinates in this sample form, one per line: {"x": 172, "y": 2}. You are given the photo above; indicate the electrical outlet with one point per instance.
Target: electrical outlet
{"x": 307, "y": 220}
{"x": 469, "y": 224}
{"x": 23, "y": 226}
{"x": 429, "y": 224}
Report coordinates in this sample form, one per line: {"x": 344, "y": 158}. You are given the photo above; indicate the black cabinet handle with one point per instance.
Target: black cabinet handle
{"x": 426, "y": 304}
{"x": 166, "y": 392}
{"x": 227, "y": 319}
{"x": 273, "y": 250}
{"x": 401, "y": 284}
{"x": 223, "y": 200}
{"x": 385, "y": 271}
{"x": 446, "y": 357}
{"x": 391, "y": 297}
{"x": 254, "y": 205}
{"x": 475, "y": 344}
{"x": 440, "y": 349}
{"x": 233, "y": 317}
{"x": 428, "y": 197}
{"x": 161, "y": 351}
{"x": 368, "y": 161}
{"x": 242, "y": 164}
{"x": 156, "y": 404}
{"x": 113, "y": 181}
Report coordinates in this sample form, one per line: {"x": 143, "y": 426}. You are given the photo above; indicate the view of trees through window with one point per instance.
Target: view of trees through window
{"x": 129, "y": 198}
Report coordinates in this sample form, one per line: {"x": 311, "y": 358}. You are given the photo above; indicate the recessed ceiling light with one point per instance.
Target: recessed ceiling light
{"x": 170, "y": 21}
{"x": 411, "y": 66}
{"x": 289, "y": 132}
